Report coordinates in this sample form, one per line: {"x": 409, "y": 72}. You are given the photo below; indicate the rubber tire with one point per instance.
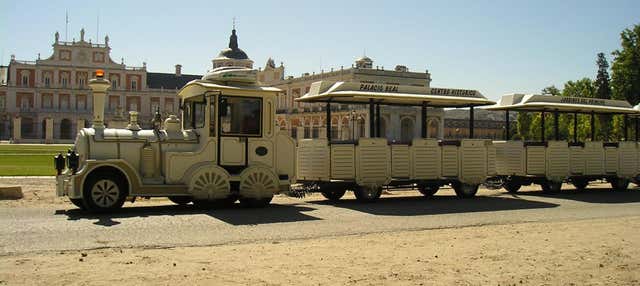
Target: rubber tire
{"x": 580, "y": 185}
{"x": 333, "y": 195}
{"x": 465, "y": 190}
{"x": 367, "y": 194}
{"x": 619, "y": 184}
{"x": 92, "y": 179}
{"x": 512, "y": 186}
{"x": 551, "y": 187}
{"x": 180, "y": 200}
{"x": 428, "y": 190}
{"x": 78, "y": 203}
{"x": 255, "y": 203}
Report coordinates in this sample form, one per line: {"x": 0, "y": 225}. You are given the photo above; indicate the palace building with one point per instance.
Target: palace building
{"x": 48, "y": 100}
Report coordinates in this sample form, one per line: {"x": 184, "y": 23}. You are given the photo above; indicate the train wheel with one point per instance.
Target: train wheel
{"x": 181, "y": 200}
{"x": 257, "y": 186}
{"x": 580, "y": 184}
{"x": 209, "y": 183}
{"x": 512, "y": 186}
{"x": 104, "y": 192}
{"x": 619, "y": 184}
{"x": 551, "y": 187}
{"x": 333, "y": 194}
{"x": 465, "y": 190}
{"x": 368, "y": 193}
{"x": 428, "y": 190}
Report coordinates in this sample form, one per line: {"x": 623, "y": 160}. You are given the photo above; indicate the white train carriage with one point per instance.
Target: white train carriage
{"x": 552, "y": 162}
{"x": 225, "y": 148}
{"x": 366, "y": 165}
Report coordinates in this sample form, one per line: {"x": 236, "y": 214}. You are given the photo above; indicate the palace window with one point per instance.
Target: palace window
{"x": 81, "y": 82}
{"x": 240, "y": 116}
{"x": 134, "y": 84}
{"x": 25, "y": 80}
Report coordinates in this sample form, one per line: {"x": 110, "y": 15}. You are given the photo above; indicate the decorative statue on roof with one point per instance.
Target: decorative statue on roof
{"x": 106, "y": 40}
{"x": 82, "y": 35}
{"x": 57, "y": 36}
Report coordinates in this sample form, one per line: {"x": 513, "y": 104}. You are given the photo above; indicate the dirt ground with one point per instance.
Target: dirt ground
{"x": 562, "y": 253}
{"x": 582, "y": 252}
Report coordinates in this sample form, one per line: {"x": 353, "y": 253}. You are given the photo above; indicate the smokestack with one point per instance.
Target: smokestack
{"x": 99, "y": 87}
{"x": 178, "y": 70}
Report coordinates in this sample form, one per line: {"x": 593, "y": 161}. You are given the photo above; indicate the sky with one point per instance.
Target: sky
{"x": 496, "y": 47}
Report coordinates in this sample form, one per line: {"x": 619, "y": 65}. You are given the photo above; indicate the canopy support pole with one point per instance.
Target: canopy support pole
{"x": 378, "y": 122}
{"x": 328, "y": 122}
{"x": 575, "y": 127}
{"x": 637, "y": 127}
{"x": 507, "y": 136}
{"x": 423, "y": 119}
{"x": 593, "y": 126}
{"x": 471, "y": 122}
{"x": 626, "y": 127}
{"x": 542, "y": 137}
{"x": 372, "y": 126}
{"x": 556, "y": 125}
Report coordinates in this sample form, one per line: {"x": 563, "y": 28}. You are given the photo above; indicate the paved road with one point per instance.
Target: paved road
{"x": 60, "y": 227}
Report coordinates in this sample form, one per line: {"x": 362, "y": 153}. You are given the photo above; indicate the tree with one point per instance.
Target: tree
{"x": 536, "y": 123}
{"x": 551, "y": 90}
{"x": 524, "y": 125}
{"x": 580, "y": 88}
{"x": 625, "y": 73}
{"x": 625, "y": 78}
{"x": 603, "y": 91}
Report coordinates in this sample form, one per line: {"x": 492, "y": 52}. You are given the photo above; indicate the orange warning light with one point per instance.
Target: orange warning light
{"x": 99, "y": 73}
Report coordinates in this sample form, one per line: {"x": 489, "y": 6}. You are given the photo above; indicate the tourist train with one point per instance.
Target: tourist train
{"x": 227, "y": 147}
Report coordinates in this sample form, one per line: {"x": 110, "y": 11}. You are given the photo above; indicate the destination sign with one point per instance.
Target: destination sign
{"x": 453, "y": 92}
{"x": 378, "y": 87}
{"x": 582, "y": 100}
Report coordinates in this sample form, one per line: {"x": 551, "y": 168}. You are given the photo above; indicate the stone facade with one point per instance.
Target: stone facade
{"x": 48, "y": 100}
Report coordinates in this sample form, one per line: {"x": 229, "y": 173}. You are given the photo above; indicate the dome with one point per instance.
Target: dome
{"x": 364, "y": 59}
{"x": 237, "y": 54}
{"x": 233, "y": 52}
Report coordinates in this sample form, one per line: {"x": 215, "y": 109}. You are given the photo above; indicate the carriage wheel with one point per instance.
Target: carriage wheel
{"x": 210, "y": 187}
{"x": 464, "y": 190}
{"x": 257, "y": 186}
{"x": 428, "y": 190}
{"x": 368, "y": 193}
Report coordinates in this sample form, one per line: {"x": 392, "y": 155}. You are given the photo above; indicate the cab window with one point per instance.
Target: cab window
{"x": 240, "y": 116}
{"x": 194, "y": 113}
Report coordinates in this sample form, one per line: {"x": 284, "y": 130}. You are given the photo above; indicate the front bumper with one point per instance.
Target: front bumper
{"x": 65, "y": 186}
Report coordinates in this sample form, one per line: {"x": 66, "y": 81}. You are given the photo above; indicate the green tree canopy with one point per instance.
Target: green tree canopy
{"x": 625, "y": 79}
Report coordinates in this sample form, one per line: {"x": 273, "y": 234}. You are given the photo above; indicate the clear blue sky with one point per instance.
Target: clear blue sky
{"x": 496, "y": 47}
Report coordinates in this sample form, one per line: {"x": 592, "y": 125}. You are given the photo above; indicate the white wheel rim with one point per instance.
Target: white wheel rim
{"x": 105, "y": 193}
{"x": 258, "y": 184}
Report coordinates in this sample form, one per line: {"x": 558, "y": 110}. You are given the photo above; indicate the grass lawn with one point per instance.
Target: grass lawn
{"x": 29, "y": 160}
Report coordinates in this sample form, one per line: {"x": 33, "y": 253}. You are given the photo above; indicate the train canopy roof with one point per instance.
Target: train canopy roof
{"x": 200, "y": 87}
{"x": 362, "y": 93}
{"x": 550, "y": 103}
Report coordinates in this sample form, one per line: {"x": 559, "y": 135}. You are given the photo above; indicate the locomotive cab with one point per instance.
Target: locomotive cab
{"x": 224, "y": 148}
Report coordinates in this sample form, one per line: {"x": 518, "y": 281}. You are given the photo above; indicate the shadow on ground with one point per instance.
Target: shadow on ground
{"x": 590, "y": 195}
{"x": 235, "y": 215}
{"x": 409, "y": 206}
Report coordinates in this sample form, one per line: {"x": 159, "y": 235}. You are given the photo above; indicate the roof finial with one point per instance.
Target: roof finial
{"x": 233, "y": 40}
{"x": 234, "y": 23}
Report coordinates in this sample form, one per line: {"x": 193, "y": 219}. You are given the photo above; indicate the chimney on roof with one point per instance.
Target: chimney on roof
{"x": 178, "y": 70}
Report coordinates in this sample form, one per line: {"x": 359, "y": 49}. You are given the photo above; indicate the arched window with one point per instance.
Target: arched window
{"x": 406, "y": 130}
{"x": 65, "y": 129}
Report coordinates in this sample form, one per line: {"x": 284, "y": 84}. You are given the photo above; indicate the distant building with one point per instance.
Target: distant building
{"x": 307, "y": 120}
{"x": 53, "y": 92}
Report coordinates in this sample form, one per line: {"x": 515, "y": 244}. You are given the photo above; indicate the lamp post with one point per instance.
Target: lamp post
{"x": 99, "y": 87}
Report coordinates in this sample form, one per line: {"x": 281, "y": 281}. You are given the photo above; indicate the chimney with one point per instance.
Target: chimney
{"x": 178, "y": 70}
{"x": 99, "y": 87}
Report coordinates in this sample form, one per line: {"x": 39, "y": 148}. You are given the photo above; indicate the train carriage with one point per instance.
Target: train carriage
{"x": 366, "y": 165}
{"x": 549, "y": 163}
